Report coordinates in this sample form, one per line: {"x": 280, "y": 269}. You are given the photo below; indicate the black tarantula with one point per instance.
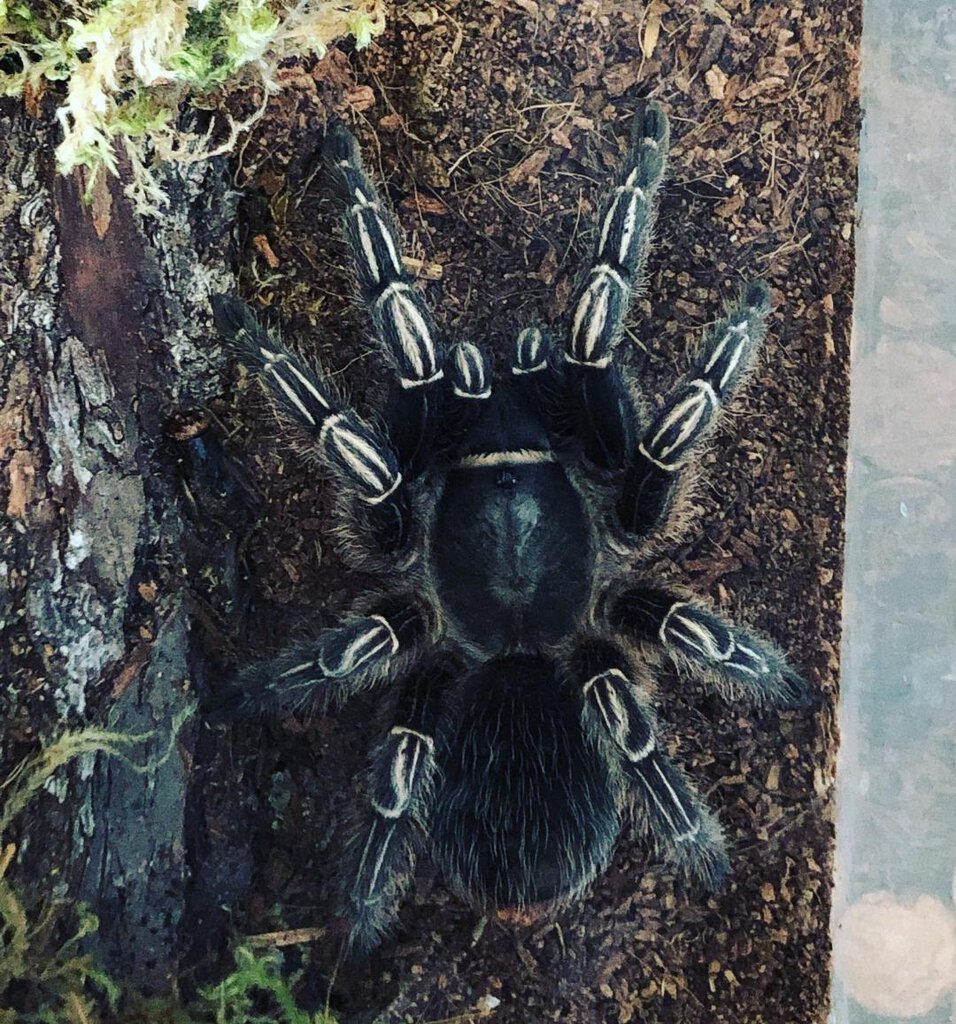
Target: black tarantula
{"x": 517, "y": 633}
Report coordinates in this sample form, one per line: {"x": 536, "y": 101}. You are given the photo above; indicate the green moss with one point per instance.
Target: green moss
{"x": 124, "y": 68}
{"x": 57, "y": 982}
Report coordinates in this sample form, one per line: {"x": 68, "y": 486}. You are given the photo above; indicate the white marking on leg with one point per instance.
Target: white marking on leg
{"x": 393, "y": 637}
{"x": 743, "y": 338}
{"x": 401, "y": 730}
{"x": 530, "y": 353}
{"x": 691, "y": 833}
{"x": 744, "y": 668}
{"x": 330, "y": 424}
{"x": 377, "y": 499}
{"x": 358, "y": 652}
{"x": 616, "y": 672}
{"x": 662, "y": 631}
{"x": 309, "y": 386}
{"x": 605, "y": 270}
{"x": 758, "y": 658}
{"x": 597, "y": 321}
{"x": 471, "y": 394}
{"x": 593, "y": 308}
{"x": 413, "y": 334}
{"x": 368, "y": 249}
{"x": 387, "y": 239}
{"x": 673, "y": 794}
{"x": 289, "y": 392}
{"x": 380, "y": 861}
{"x": 686, "y": 418}
{"x": 696, "y": 635}
{"x": 404, "y": 765}
{"x": 597, "y": 364}
{"x": 660, "y": 806}
{"x": 364, "y": 459}
{"x": 668, "y": 467}
{"x": 304, "y": 667}
{"x": 608, "y": 221}
{"x": 636, "y": 756}
{"x": 616, "y": 718}
{"x": 416, "y": 382}
{"x": 395, "y": 288}
{"x": 365, "y": 853}
{"x": 630, "y": 225}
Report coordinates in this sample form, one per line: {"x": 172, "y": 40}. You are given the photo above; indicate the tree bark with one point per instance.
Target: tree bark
{"x": 106, "y": 334}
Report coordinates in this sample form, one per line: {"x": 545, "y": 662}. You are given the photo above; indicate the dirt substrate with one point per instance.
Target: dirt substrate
{"x": 496, "y": 125}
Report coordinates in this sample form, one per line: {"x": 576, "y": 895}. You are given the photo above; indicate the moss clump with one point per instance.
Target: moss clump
{"x": 126, "y": 67}
{"x": 41, "y": 940}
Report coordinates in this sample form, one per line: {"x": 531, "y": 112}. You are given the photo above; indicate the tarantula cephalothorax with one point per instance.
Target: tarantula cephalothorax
{"x": 518, "y": 627}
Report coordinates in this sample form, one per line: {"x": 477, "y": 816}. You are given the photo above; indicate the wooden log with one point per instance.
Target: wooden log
{"x": 106, "y": 333}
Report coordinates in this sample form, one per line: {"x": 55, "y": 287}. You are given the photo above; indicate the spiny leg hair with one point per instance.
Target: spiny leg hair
{"x": 678, "y": 430}
{"x": 737, "y": 661}
{"x": 678, "y": 821}
{"x": 361, "y": 458}
{"x": 380, "y": 857}
{"x": 329, "y": 668}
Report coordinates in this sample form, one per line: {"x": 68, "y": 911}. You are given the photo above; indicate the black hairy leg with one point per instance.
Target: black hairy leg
{"x": 328, "y": 669}
{"x": 737, "y": 661}
{"x": 380, "y": 855}
{"x": 361, "y": 458}
{"x": 467, "y": 394}
{"x": 403, "y": 323}
{"x": 602, "y": 407}
{"x": 676, "y": 819}
{"x": 687, "y": 417}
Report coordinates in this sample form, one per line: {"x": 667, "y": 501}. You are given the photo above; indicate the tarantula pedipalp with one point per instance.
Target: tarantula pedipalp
{"x": 517, "y": 629}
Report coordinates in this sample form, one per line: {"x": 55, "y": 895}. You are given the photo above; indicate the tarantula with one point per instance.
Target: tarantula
{"x": 518, "y": 629}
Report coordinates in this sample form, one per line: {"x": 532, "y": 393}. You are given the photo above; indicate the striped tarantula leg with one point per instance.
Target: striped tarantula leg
{"x": 685, "y": 421}
{"x": 616, "y": 714}
{"x": 329, "y": 668}
{"x": 602, "y": 407}
{"x": 404, "y": 324}
{"x": 380, "y": 858}
{"x": 738, "y": 661}
{"x": 361, "y": 458}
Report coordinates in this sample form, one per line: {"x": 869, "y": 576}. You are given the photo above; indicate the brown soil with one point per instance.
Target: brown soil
{"x": 496, "y": 125}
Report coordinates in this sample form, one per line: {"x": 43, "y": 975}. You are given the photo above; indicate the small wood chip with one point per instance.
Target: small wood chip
{"x": 268, "y": 253}
{"x": 529, "y": 168}
{"x": 652, "y": 29}
{"x": 716, "y": 82}
{"x": 286, "y": 937}
{"x": 424, "y": 269}
{"x": 424, "y": 204}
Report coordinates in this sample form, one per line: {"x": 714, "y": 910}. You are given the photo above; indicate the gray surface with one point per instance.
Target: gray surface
{"x": 896, "y": 821}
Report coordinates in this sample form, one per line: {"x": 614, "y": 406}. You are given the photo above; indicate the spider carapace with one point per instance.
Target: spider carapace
{"x": 520, "y": 617}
